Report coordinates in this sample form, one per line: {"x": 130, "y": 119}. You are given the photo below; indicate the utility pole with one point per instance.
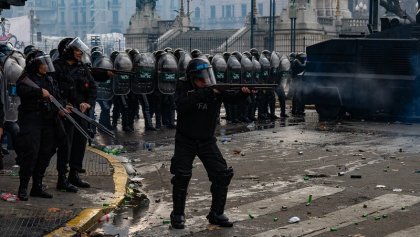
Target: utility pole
{"x": 292, "y": 16}
{"x": 31, "y": 22}
{"x": 252, "y": 19}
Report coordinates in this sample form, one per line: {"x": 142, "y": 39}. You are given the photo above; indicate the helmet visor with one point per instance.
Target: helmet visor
{"x": 78, "y": 43}
{"x": 203, "y": 78}
{"x": 46, "y": 60}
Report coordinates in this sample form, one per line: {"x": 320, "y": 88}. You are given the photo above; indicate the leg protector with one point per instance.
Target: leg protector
{"x": 180, "y": 183}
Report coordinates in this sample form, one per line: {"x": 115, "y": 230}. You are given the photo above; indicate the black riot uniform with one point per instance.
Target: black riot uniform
{"x": 38, "y": 122}
{"x": 297, "y": 66}
{"x": 76, "y": 87}
{"x": 197, "y": 108}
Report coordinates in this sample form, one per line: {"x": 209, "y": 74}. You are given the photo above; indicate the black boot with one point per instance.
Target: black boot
{"x": 177, "y": 221}
{"x": 64, "y": 185}
{"x": 179, "y": 196}
{"x": 37, "y": 190}
{"x": 23, "y": 188}
{"x": 1, "y": 162}
{"x": 216, "y": 216}
{"x": 76, "y": 180}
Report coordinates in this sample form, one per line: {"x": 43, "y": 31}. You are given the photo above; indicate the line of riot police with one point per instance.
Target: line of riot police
{"x": 150, "y": 81}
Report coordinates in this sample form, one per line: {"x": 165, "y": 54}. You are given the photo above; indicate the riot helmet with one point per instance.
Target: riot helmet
{"x": 254, "y": 52}
{"x": 178, "y": 53}
{"x": 54, "y": 54}
{"x": 158, "y": 54}
{"x": 6, "y": 48}
{"x": 266, "y": 53}
{"x": 127, "y": 50}
{"x": 195, "y": 53}
{"x": 113, "y": 55}
{"x": 123, "y": 62}
{"x": 184, "y": 61}
{"x": 95, "y": 55}
{"x": 133, "y": 53}
{"x": 2, "y": 58}
{"x": 67, "y": 46}
{"x": 168, "y": 50}
{"x": 292, "y": 56}
{"x": 301, "y": 57}
{"x": 247, "y": 54}
{"x": 237, "y": 55}
{"x": 28, "y": 49}
{"x": 226, "y": 56}
{"x": 200, "y": 73}
{"x": 37, "y": 58}
{"x": 96, "y": 49}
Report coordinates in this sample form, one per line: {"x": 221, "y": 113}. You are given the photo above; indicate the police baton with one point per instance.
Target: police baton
{"x": 30, "y": 83}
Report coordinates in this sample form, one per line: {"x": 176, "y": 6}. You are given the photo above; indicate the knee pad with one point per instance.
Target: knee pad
{"x": 181, "y": 179}
{"x": 224, "y": 178}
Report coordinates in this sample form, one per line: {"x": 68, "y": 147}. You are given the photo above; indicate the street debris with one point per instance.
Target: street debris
{"x": 236, "y": 151}
{"x": 397, "y": 190}
{"x": 106, "y": 218}
{"x": 225, "y": 140}
{"x": 318, "y": 175}
{"x": 114, "y": 149}
{"x": 251, "y": 216}
{"x": 300, "y": 153}
{"x": 380, "y": 186}
{"x": 294, "y": 220}
{"x": 9, "y": 197}
{"x": 355, "y": 176}
{"x": 340, "y": 173}
{"x": 283, "y": 208}
{"x": 150, "y": 146}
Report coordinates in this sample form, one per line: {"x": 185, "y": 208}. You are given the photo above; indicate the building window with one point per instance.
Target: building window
{"x": 172, "y": 4}
{"x": 62, "y": 3}
{"x": 84, "y": 2}
{"x": 233, "y": 10}
{"x": 115, "y": 2}
{"x": 92, "y": 16}
{"x": 228, "y": 10}
{"x": 84, "y": 17}
{"x": 212, "y": 12}
{"x": 62, "y": 17}
{"x": 114, "y": 17}
{"x": 75, "y": 2}
{"x": 260, "y": 8}
{"x": 223, "y": 11}
{"x": 197, "y": 12}
{"x": 243, "y": 9}
{"x": 76, "y": 18}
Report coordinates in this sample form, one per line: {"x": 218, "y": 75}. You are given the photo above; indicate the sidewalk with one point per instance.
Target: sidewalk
{"x": 67, "y": 213}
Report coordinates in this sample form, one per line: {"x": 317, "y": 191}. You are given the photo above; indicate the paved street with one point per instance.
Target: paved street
{"x": 361, "y": 176}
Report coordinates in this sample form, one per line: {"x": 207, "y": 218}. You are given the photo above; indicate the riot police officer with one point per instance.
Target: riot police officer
{"x": 77, "y": 89}
{"x": 38, "y": 122}
{"x": 297, "y": 66}
{"x": 197, "y": 107}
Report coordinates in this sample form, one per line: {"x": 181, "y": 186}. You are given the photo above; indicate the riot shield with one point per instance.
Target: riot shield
{"x": 183, "y": 63}
{"x": 143, "y": 81}
{"x": 233, "y": 74}
{"x": 247, "y": 71}
{"x": 167, "y": 70}
{"x": 274, "y": 71}
{"x": 104, "y": 89}
{"x": 265, "y": 69}
{"x": 14, "y": 65}
{"x": 121, "y": 82}
{"x": 257, "y": 70}
{"x": 219, "y": 68}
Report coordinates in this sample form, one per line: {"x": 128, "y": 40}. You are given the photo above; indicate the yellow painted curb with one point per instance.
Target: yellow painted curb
{"x": 89, "y": 217}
